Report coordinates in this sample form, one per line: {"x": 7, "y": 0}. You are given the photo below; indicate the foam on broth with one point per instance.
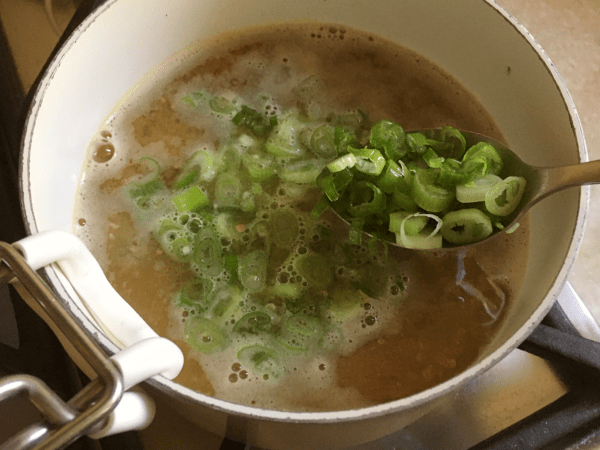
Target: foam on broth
{"x": 391, "y": 349}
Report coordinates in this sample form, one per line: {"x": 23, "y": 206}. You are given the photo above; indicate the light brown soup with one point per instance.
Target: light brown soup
{"x": 400, "y": 347}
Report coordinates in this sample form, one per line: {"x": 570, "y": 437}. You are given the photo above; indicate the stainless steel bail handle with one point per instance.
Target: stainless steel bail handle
{"x": 146, "y": 354}
{"x": 95, "y": 401}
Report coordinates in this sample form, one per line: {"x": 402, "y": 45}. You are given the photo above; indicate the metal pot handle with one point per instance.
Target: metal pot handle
{"x": 102, "y": 407}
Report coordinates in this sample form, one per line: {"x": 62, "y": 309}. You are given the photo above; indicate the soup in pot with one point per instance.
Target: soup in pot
{"x": 198, "y": 198}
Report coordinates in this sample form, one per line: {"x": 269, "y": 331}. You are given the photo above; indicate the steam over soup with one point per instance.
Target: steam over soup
{"x": 198, "y": 200}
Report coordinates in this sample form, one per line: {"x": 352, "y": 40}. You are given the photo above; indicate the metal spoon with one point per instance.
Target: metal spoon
{"x": 541, "y": 181}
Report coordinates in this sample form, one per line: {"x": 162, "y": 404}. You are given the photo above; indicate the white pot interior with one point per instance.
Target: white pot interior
{"x": 473, "y": 40}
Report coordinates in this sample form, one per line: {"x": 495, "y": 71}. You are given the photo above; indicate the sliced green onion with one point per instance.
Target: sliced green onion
{"x": 244, "y": 143}
{"x": 256, "y": 322}
{"x": 504, "y": 197}
{"x": 368, "y": 160}
{"x": 427, "y": 194}
{"x": 231, "y": 264}
{"x": 284, "y": 228}
{"x": 432, "y": 159}
{"x": 182, "y": 249}
{"x": 255, "y": 121}
{"x": 346, "y": 301}
{"x": 247, "y": 202}
{"x": 199, "y": 165}
{"x": 322, "y": 142}
{"x": 252, "y": 270}
{"x": 417, "y": 142}
{"x": 221, "y": 105}
{"x": 513, "y": 228}
{"x": 353, "y": 120}
{"x": 227, "y": 302}
{"x": 486, "y": 153}
{"x": 191, "y": 200}
{"x": 346, "y": 161}
{"x": 260, "y": 235}
{"x": 178, "y": 246}
{"x": 393, "y": 177}
{"x": 195, "y": 98}
{"x": 344, "y": 138}
{"x": 262, "y": 360}
{"x": 303, "y": 172}
{"x": 365, "y": 199}
{"x": 342, "y": 179}
{"x": 456, "y": 141}
{"x": 302, "y": 324}
{"x": 284, "y": 140}
{"x": 149, "y": 201}
{"x": 425, "y": 239}
{"x": 150, "y": 183}
{"x": 372, "y": 244}
{"x": 203, "y": 334}
{"x": 195, "y": 293}
{"x": 412, "y": 223}
{"x": 168, "y": 225}
{"x": 390, "y": 137}
{"x": 475, "y": 191}
{"x": 406, "y": 182}
{"x": 320, "y": 207}
{"x": 403, "y": 201}
{"x": 332, "y": 183}
{"x": 355, "y": 231}
{"x": 300, "y": 331}
{"x": 230, "y": 157}
{"x": 225, "y": 224}
{"x": 455, "y": 173}
{"x": 260, "y": 167}
{"x": 466, "y": 226}
{"x": 308, "y": 88}
{"x": 327, "y": 184}
{"x": 287, "y": 290}
{"x": 228, "y": 189}
{"x": 207, "y": 253}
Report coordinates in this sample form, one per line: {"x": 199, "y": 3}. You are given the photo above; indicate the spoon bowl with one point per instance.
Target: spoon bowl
{"x": 540, "y": 182}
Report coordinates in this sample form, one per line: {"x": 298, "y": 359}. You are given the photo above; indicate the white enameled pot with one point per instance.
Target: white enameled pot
{"x": 474, "y": 40}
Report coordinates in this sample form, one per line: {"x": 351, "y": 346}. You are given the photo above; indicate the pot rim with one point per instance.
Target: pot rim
{"x": 331, "y": 416}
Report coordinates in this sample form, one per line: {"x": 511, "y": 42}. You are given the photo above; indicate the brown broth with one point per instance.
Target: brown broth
{"x": 436, "y": 332}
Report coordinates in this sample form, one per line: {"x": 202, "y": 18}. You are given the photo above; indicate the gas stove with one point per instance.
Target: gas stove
{"x": 543, "y": 395}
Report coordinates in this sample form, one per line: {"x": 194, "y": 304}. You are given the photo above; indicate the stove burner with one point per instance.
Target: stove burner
{"x": 574, "y": 417}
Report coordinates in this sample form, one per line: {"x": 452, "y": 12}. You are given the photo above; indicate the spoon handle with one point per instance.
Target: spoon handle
{"x": 555, "y": 179}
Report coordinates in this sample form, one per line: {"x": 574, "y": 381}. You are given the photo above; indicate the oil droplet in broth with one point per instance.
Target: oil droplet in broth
{"x": 104, "y": 152}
